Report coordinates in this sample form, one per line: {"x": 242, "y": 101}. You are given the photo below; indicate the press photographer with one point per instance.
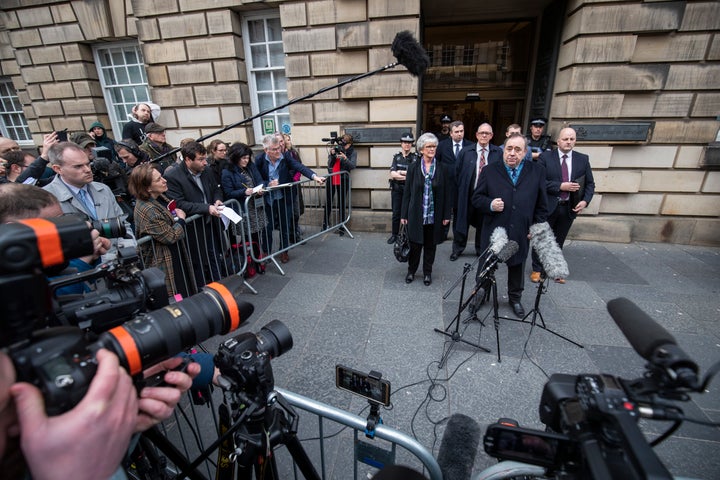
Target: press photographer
{"x": 342, "y": 158}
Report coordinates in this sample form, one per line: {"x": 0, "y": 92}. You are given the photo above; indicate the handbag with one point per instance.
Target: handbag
{"x": 401, "y": 248}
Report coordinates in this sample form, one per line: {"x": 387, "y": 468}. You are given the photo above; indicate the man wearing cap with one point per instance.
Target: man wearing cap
{"x": 444, "y": 132}
{"x": 471, "y": 162}
{"x": 155, "y": 144}
{"x": 537, "y": 142}
{"x": 400, "y": 163}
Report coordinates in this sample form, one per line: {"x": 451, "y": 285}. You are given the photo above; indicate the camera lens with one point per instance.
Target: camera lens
{"x": 274, "y": 339}
{"x": 163, "y": 333}
{"x": 110, "y": 227}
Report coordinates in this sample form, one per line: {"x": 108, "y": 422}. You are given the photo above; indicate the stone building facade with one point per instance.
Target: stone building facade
{"x": 656, "y": 62}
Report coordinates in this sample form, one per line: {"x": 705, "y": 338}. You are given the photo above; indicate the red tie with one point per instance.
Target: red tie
{"x": 481, "y": 164}
{"x": 565, "y": 178}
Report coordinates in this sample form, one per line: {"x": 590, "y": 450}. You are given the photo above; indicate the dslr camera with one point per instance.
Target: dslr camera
{"x": 60, "y": 360}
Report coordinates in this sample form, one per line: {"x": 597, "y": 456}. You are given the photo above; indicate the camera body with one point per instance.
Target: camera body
{"x": 593, "y": 432}
{"x": 337, "y": 145}
{"x": 244, "y": 360}
{"x": 60, "y": 361}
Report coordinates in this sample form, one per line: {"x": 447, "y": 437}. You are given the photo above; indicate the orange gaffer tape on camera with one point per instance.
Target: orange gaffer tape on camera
{"x": 48, "y": 241}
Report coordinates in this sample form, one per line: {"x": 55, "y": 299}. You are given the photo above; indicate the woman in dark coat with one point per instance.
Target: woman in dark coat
{"x": 238, "y": 181}
{"x": 426, "y": 206}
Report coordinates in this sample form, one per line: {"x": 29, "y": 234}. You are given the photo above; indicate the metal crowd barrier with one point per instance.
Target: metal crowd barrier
{"x": 312, "y": 210}
{"x": 332, "y": 438}
{"x": 207, "y": 253}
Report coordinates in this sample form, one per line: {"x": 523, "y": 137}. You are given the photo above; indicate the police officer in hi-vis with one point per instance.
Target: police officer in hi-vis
{"x": 400, "y": 163}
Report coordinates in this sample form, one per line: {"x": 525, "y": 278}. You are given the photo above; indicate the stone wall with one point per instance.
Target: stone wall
{"x": 653, "y": 61}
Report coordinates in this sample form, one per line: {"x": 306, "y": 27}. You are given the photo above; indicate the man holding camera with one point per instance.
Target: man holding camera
{"x": 74, "y": 187}
{"x": 342, "y": 158}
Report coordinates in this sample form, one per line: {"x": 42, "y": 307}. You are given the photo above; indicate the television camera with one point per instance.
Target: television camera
{"x": 592, "y": 420}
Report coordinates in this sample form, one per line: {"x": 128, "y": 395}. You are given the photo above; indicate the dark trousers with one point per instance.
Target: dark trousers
{"x": 279, "y": 217}
{"x": 331, "y": 191}
{"x": 206, "y": 250}
{"x": 396, "y": 195}
{"x": 516, "y": 282}
{"x": 560, "y": 222}
{"x": 460, "y": 238}
{"x": 427, "y": 248}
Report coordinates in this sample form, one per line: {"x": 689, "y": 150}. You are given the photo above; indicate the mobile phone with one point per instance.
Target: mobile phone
{"x": 172, "y": 206}
{"x": 62, "y": 135}
{"x": 545, "y": 449}
{"x": 366, "y": 385}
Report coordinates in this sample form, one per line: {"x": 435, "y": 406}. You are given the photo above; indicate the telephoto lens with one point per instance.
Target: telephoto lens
{"x": 157, "y": 335}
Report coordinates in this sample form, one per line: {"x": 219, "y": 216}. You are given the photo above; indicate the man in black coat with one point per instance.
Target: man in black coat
{"x": 278, "y": 169}
{"x": 567, "y": 196}
{"x": 449, "y": 149}
{"x": 471, "y": 161}
{"x": 195, "y": 189}
{"x": 512, "y": 195}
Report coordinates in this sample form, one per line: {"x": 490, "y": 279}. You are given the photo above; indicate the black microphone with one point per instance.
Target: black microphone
{"x": 653, "y": 342}
{"x": 542, "y": 240}
{"x": 510, "y": 249}
{"x": 458, "y": 447}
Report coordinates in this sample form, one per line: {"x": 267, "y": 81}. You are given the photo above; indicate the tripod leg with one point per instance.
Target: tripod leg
{"x": 300, "y": 457}
{"x": 496, "y": 317}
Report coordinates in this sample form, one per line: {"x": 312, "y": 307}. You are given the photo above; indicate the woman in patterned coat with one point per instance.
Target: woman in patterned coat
{"x": 167, "y": 228}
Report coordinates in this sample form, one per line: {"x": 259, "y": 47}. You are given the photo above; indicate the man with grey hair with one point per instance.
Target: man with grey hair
{"x": 74, "y": 187}
{"x": 275, "y": 169}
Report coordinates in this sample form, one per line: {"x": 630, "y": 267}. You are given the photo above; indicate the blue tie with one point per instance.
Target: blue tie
{"x": 87, "y": 201}
{"x": 513, "y": 175}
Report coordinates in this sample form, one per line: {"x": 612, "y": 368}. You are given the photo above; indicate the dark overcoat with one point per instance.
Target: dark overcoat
{"x": 442, "y": 187}
{"x": 525, "y": 203}
{"x": 466, "y": 171}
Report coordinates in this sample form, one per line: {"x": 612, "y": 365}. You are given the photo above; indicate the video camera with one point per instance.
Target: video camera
{"x": 60, "y": 361}
{"x": 592, "y": 419}
{"x": 336, "y": 143}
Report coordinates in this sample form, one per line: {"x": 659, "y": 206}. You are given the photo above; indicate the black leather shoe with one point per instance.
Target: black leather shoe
{"x": 454, "y": 256}
{"x": 392, "y": 239}
{"x": 427, "y": 280}
{"x": 409, "y": 277}
{"x": 518, "y": 309}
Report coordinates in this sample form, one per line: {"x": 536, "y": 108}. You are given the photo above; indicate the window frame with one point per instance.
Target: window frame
{"x": 13, "y": 98}
{"x": 141, "y": 91}
{"x": 252, "y": 70}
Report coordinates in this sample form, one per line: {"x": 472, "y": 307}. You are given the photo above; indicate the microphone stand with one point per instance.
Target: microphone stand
{"x": 535, "y": 312}
{"x": 455, "y": 335}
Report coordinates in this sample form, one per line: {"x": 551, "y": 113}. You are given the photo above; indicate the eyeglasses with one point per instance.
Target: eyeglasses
{"x": 276, "y": 149}
{"x": 484, "y": 133}
{"x": 430, "y": 146}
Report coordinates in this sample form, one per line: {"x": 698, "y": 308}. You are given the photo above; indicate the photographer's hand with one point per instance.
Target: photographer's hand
{"x": 157, "y": 403}
{"x": 87, "y": 442}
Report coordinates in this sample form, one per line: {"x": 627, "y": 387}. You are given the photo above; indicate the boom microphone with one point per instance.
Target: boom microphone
{"x": 542, "y": 240}
{"x": 652, "y": 342}
{"x": 498, "y": 239}
{"x": 410, "y": 53}
{"x": 458, "y": 447}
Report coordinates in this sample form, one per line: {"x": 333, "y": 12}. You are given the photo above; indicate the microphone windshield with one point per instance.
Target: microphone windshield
{"x": 498, "y": 239}
{"x": 459, "y": 447}
{"x": 510, "y": 249}
{"x": 410, "y": 53}
{"x": 643, "y": 333}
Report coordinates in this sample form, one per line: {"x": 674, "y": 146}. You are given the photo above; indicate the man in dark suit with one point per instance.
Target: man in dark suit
{"x": 570, "y": 187}
{"x": 511, "y": 194}
{"x": 196, "y": 191}
{"x": 471, "y": 161}
{"x": 449, "y": 149}
{"x": 278, "y": 169}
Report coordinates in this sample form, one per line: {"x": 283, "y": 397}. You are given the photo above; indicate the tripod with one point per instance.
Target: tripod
{"x": 535, "y": 312}
{"x": 455, "y": 335}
